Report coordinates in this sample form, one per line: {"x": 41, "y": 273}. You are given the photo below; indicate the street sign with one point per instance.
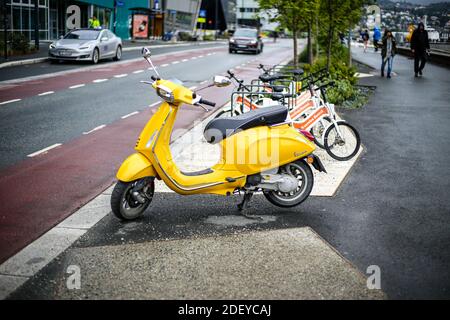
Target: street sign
{"x": 202, "y": 13}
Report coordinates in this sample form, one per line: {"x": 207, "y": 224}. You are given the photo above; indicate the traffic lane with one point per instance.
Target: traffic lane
{"x": 29, "y": 70}
{"x": 12, "y": 90}
{"x": 42, "y": 121}
{"x": 55, "y": 184}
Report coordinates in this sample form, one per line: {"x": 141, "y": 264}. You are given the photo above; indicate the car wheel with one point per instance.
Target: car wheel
{"x": 118, "y": 54}
{"x": 95, "y": 56}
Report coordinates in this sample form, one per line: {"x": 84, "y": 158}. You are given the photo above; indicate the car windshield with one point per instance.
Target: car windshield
{"x": 245, "y": 33}
{"x": 83, "y": 35}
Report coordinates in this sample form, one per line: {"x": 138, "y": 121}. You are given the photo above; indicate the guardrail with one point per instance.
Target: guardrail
{"x": 438, "y": 57}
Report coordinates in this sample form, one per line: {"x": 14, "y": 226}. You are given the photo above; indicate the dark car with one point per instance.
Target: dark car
{"x": 246, "y": 40}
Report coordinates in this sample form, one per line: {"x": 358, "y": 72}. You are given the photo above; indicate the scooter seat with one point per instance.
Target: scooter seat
{"x": 220, "y": 128}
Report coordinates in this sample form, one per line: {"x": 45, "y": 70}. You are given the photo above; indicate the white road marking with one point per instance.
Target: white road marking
{"x": 77, "y": 86}
{"x": 201, "y": 56}
{"x": 120, "y": 75}
{"x": 10, "y": 101}
{"x": 95, "y": 67}
{"x": 209, "y": 54}
{"x": 130, "y": 114}
{"x": 193, "y": 88}
{"x": 46, "y": 93}
{"x": 138, "y": 71}
{"x": 154, "y": 104}
{"x": 45, "y": 150}
{"x": 95, "y": 129}
{"x": 193, "y": 58}
{"x": 175, "y": 62}
{"x": 184, "y": 60}
{"x": 99, "y": 80}
{"x": 164, "y": 65}
{"x": 149, "y": 68}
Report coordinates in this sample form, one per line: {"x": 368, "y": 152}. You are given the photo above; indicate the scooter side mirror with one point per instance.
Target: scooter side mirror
{"x": 221, "y": 81}
{"x": 146, "y": 53}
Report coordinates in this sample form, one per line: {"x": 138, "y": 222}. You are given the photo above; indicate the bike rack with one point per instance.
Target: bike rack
{"x": 251, "y": 94}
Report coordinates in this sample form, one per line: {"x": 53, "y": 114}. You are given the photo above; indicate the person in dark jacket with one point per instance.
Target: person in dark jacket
{"x": 420, "y": 46}
{"x": 388, "y": 51}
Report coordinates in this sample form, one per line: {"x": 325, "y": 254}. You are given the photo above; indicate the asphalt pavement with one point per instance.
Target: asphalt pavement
{"x": 393, "y": 210}
{"x": 40, "y": 120}
{"x": 130, "y": 52}
{"x": 84, "y": 159}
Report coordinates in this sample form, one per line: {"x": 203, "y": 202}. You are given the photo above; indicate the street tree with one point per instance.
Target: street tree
{"x": 339, "y": 15}
{"x": 294, "y": 15}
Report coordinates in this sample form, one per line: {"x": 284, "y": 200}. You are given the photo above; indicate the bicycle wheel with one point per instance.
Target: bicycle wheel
{"x": 318, "y": 131}
{"x": 342, "y": 145}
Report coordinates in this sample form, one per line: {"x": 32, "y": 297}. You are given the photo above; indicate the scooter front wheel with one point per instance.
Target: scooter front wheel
{"x": 129, "y": 200}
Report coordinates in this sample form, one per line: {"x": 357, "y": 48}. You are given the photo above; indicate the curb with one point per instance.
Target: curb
{"x": 22, "y": 62}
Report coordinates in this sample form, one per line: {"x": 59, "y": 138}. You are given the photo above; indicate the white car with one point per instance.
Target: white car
{"x": 86, "y": 45}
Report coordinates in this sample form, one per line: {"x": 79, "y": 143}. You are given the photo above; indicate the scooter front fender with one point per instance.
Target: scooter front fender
{"x": 135, "y": 167}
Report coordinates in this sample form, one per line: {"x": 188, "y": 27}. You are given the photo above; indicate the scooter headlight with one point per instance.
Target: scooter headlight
{"x": 165, "y": 93}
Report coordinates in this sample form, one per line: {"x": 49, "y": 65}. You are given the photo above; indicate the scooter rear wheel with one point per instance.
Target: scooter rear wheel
{"x": 303, "y": 173}
{"x": 124, "y": 205}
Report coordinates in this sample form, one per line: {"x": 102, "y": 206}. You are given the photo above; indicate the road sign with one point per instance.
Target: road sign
{"x": 201, "y": 20}
{"x": 202, "y": 13}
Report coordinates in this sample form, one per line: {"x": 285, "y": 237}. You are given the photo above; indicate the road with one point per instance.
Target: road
{"x": 129, "y": 53}
{"x": 392, "y": 211}
{"x": 39, "y": 121}
{"x": 94, "y": 128}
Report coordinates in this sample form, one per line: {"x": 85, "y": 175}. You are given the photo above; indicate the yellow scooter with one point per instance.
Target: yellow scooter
{"x": 261, "y": 151}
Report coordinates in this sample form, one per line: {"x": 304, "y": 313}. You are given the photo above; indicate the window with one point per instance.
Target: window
{"x": 16, "y": 18}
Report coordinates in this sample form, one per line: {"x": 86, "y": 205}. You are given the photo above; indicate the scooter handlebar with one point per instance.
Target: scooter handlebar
{"x": 208, "y": 103}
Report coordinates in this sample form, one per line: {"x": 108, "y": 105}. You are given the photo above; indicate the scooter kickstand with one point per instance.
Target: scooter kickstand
{"x": 244, "y": 204}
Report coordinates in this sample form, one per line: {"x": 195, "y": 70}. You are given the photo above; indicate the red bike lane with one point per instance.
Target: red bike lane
{"x": 38, "y": 193}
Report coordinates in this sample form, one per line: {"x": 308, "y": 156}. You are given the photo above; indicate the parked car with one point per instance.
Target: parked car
{"x": 86, "y": 45}
{"x": 244, "y": 39}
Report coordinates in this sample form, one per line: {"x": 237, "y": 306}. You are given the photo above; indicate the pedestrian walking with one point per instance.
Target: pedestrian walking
{"x": 420, "y": 46}
{"x": 388, "y": 51}
{"x": 365, "y": 37}
{"x": 376, "y": 37}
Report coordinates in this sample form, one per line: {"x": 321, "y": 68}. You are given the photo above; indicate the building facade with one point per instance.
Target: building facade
{"x": 248, "y": 14}
{"x": 57, "y": 17}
